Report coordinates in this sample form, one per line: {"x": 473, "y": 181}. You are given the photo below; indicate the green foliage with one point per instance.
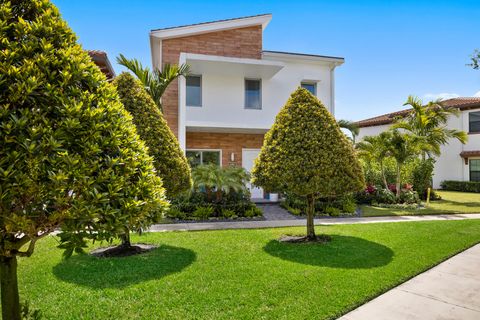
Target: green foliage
{"x": 422, "y": 176}
{"x": 298, "y": 205}
{"x": 475, "y": 57}
{"x": 203, "y": 213}
{"x": 185, "y": 205}
{"x": 306, "y": 153}
{"x": 230, "y": 214}
{"x": 219, "y": 180}
{"x": 156, "y": 81}
{"x": 28, "y": 313}
{"x": 69, "y": 152}
{"x": 253, "y": 212}
{"x": 170, "y": 161}
{"x": 464, "y": 186}
{"x": 70, "y": 156}
{"x": 332, "y": 211}
{"x": 350, "y": 126}
{"x": 429, "y": 122}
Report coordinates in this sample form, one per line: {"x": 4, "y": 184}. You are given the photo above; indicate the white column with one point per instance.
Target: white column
{"x": 182, "y": 139}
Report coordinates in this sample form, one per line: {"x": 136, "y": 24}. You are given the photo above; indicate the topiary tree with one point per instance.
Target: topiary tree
{"x": 306, "y": 153}
{"x": 171, "y": 164}
{"x": 70, "y": 157}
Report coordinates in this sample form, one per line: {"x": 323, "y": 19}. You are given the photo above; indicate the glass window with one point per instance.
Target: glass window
{"x": 253, "y": 94}
{"x": 474, "y": 121}
{"x": 198, "y": 157}
{"x": 312, "y": 87}
{"x": 194, "y": 91}
{"x": 474, "y": 169}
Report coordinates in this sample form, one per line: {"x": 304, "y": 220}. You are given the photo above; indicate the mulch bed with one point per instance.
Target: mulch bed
{"x": 122, "y": 251}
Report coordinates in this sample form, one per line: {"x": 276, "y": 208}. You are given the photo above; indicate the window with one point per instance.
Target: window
{"x": 253, "y": 94}
{"x": 198, "y": 157}
{"x": 474, "y": 121}
{"x": 474, "y": 169}
{"x": 194, "y": 91}
{"x": 310, "y": 86}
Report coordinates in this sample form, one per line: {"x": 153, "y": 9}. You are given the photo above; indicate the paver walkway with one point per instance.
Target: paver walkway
{"x": 450, "y": 290}
{"x": 301, "y": 222}
{"x": 275, "y": 212}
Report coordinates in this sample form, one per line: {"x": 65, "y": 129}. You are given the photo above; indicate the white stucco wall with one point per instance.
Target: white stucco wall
{"x": 223, "y": 96}
{"x": 449, "y": 166}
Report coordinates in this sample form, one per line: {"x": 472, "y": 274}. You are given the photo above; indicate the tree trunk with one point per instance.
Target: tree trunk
{"x": 126, "y": 239}
{"x": 382, "y": 169}
{"x": 398, "y": 185}
{"x": 9, "y": 287}
{"x": 310, "y": 215}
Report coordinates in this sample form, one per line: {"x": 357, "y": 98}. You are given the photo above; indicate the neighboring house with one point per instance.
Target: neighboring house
{"x": 101, "y": 60}
{"x": 221, "y": 112}
{"x": 458, "y": 161}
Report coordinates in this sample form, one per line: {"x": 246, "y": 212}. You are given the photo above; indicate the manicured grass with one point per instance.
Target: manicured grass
{"x": 240, "y": 274}
{"x": 452, "y": 202}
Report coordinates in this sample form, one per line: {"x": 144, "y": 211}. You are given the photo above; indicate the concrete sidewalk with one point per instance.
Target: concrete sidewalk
{"x": 450, "y": 290}
{"x": 195, "y": 226}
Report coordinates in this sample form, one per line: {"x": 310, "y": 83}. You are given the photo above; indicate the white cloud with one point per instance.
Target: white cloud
{"x": 477, "y": 94}
{"x": 443, "y": 96}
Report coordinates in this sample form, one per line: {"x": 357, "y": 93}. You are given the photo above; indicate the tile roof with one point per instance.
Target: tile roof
{"x": 101, "y": 60}
{"x": 463, "y": 103}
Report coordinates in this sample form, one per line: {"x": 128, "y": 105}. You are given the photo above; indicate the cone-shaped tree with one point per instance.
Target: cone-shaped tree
{"x": 70, "y": 156}
{"x": 307, "y": 154}
{"x": 171, "y": 164}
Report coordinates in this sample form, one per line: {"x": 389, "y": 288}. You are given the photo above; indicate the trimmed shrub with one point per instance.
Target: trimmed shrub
{"x": 306, "y": 153}
{"x": 70, "y": 156}
{"x": 464, "y": 186}
{"x": 171, "y": 164}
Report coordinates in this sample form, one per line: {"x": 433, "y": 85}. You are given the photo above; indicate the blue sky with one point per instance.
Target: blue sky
{"x": 391, "y": 48}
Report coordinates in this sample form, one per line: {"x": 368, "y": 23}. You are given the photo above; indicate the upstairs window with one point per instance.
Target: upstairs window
{"x": 253, "y": 94}
{"x": 474, "y": 122}
{"x": 474, "y": 169}
{"x": 194, "y": 91}
{"x": 310, "y": 86}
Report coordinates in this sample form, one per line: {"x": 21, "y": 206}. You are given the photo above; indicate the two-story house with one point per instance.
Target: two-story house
{"x": 457, "y": 161}
{"x": 221, "y": 112}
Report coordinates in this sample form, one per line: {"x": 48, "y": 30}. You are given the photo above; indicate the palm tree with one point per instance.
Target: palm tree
{"x": 350, "y": 126}
{"x": 430, "y": 122}
{"x": 156, "y": 81}
{"x": 375, "y": 148}
{"x": 219, "y": 180}
{"x": 404, "y": 147}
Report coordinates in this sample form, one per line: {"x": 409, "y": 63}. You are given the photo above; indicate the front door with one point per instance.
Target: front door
{"x": 248, "y": 159}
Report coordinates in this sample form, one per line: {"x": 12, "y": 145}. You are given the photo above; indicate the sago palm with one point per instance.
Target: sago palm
{"x": 156, "y": 81}
{"x": 430, "y": 122}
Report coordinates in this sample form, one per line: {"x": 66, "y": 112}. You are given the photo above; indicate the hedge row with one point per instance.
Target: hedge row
{"x": 465, "y": 186}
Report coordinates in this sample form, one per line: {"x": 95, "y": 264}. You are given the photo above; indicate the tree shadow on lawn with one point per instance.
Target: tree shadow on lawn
{"x": 100, "y": 273}
{"x": 341, "y": 252}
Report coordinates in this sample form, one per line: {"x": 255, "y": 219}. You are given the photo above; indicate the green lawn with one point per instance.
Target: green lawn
{"x": 452, "y": 202}
{"x": 240, "y": 274}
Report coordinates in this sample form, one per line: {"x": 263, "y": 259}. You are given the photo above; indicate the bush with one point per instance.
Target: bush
{"x": 253, "y": 212}
{"x": 238, "y": 202}
{"x": 332, "y": 211}
{"x": 384, "y": 196}
{"x": 170, "y": 161}
{"x": 422, "y": 177}
{"x": 306, "y": 153}
{"x": 297, "y": 205}
{"x": 464, "y": 186}
{"x": 409, "y": 197}
{"x": 203, "y": 213}
{"x": 174, "y": 213}
{"x": 229, "y": 213}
